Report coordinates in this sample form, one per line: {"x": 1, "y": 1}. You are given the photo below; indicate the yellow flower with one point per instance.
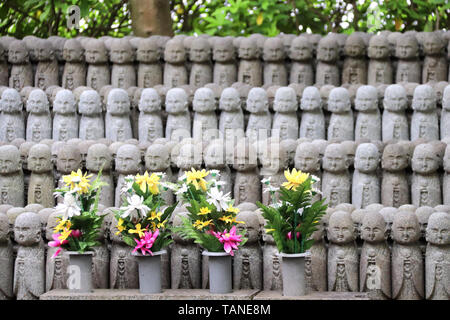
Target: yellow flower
{"x": 151, "y": 182}
{"x": 138, "y": 230}
{"x": 78, "y": 180}
{"x": 62, "y": 223}
{"x": 230, "y": 219}
{"x": 120, "y": 226}
{"x": 159, "y": 225}
{"x": 203, "y": 211}
{"x": 269, "y": 230}
{"x": 155, "y": 215}
{"x": 65, "y": 234}
{"x": 294, "y": 178}
{"x": 201, "y": 224}
{"x": 232, "y": 209}
{"x": 196, "y": 178}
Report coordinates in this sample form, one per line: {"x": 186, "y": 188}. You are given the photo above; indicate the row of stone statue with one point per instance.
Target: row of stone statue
{"x": 389, "y": 253}
{"x": 310, "y": 116}
{"x": 146, "y": 62}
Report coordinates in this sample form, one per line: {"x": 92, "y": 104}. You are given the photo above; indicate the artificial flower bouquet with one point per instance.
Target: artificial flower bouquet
{"x": 141, "y": 221}
{"x": 80, "y": 224}
{"x": 292, "y": 220}
{"x": 211, "y": 221}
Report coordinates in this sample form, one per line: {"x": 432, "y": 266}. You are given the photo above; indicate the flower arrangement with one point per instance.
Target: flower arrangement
{"x": 211, "y": 221}
{"x": 79, "y": 226}
{"x": 292, "y": 220}
{"x": 140, "y": 220}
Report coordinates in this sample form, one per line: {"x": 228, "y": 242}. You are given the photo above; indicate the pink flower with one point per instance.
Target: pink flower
{"x": 289, "y": 235}
{"x": 229, "y": 239}
{"x": 56, "y": 243}
{"x": 146, "y": 242}
{"x": 76, "y": 233}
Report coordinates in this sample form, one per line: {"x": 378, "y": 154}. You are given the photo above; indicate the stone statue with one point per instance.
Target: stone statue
{"x": 368, "y": 120}
{"x": 101, "y": 258}
{"x": 395, "y": 189}
{"x": 150, "y": 120}
{"x": 41, "y": 185}
{"x": 74, "y": 74}
{"x": 424, "y": 122}
{"x": 98, "y": 72}
{"x": 316, "y": 263}
{"x": 4, "y": 81}
{"x": 21, "y": 71}
{"x": 68, "y": 159}
{"x": 39, "y": 121}
{"x": 407, "y": 263}
{"x": 366, "y": 183}
{"x": 128, "y": 162}
{"x": 225, "y": 69}
{"x": 355, "y": 62}
{"x": 178, "y": 124}
{"x": 150, "y": 71}
{"x": 201, "y": 69}
{"x": 435, "y": 62}
{"x": 247, "y": 186}
{"x": 275, "y": 72}
{"x": 380, "y": 65}
{"x": 11, "y": 177}
{"x": 301, "y": 55}
{"x": 336, "y": 183}
{"x": 341, "y": 126}
{"x": 47, "y": 68}
{"x": 204, "y": 127}
{"x": 231, "y": 121}
{"x": 445, "y": 114}
{"x": 99, "y": 158}
{"x": 273, "y": 163}
{"x": 312, "y": 125}
{"x": 271, "y": 264}
{"x": 92, "y": 125}
{"x": 408, "y": 66}
{"x": 248, "y": 260}
{"x": 157, "y": 160}
{"x": 12, "y": 120}
{"x": 65, "y": 122}
{"x": 29, "y": 268}
{"x": 425, "y": 184}
{"x": 343, "y": 259}
{"x": 123, "y": 74}
{"x": 394, "y": 122}
{"x": 175, "y": 73}
{"x": 307, "y": 159}
{"x": 6, "y": 259}
{"x": 250, "y": 67}
{"x": 260, "y": 120}
{"x": 437, "y": 257}
{"x": 214, "y": 158}
{"x": 327, "y": 71}
{"x": 285, "y": 122}
{"x": 117, "y": 119}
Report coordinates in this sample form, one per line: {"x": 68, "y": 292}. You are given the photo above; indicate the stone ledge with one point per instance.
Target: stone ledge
{"x": 328, "y": 295}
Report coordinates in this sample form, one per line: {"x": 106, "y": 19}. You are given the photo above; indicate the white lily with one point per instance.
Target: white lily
{"x": 218, "y": 199}
{"x": 270, "y": 188}
{"x": 135, "y": 207}
{"x": 182, "y": 190}
{"x": 69, "y": 207}
{"x": 127, "y": 186}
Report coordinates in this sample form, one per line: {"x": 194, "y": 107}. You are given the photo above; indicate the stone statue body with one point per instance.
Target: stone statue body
{"x": 39, "y": 121}
{"x": 98, "y": 71}
{"x": 250, "y": 67}
{"x": 424, "y": 122}
{"x": 150, "y": 121}
{"x": 395, "y": 190}
{"x": 355, "y": 63}
{"x": 175, "y": 73}
{"x": 65, "y": 122}
{"x": 366, "y": 182}
{"x": 205, "y": 118}
{"x": 128, "y": 161}
{"x": 408, "y": 66}
{"x": 41, "y": 185}
{"x": 201, "y": 69}
{"x": 380, "y": 65}
{"x": 150, "y": 71}
{"x": 92, "y": 124}
{"x": 435, "y": 63}
{"x": 47, "y": 68}
{"x": 275, "y": 72}
{"x": 178, "y": 124}
{"x": 327, "y": 71}
{"x": 225, "y": 69}
{"x": 99, "y": 158}
{"x": 260, "y": 119}
{"x": 12, "y": 120}
{"x": 285, "y": 122}
{"x": 316, "y": 264}
{"x": 6, "y": 259}
{"x": 301, "y": 54}
{"x": 21, "y": 71}
{"x": 368, "y": 120}
{"x": 395, "y": 123}
{"x": 341, "y": 124}
{"x": 11, "y": 179}
{"x": 123, "y": 74}
{"x": 117, "y": 119}
{"x": 271, "y": 265}
{"x": 231, "y": 121}
{"x": 312, "y": 125}
{"x": 445, "y": 114}
{"x": 247, "y": 186}
{"x": 336, "y": 185}
{"x": 74, "y": 74}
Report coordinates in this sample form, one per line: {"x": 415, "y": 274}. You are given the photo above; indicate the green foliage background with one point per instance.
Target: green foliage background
{"x": 229, "y": 17}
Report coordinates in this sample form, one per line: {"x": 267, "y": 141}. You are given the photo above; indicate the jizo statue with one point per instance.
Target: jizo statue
{"x": 380, "y": 65}
{"x": 175, "y": 73}
{"x": 74, "y": 74}
{"x": 123, "y": 74}
{"x": 65, "y": 121}
{"x": 150, "y": 71}
{"x": 92, "y": 124}
{"x": 12, "y": 121}
{"x": 21, "y": 71}
{"x": 301, "y": 54}
{"x": 98, "y": 72}
{"x": 47, "y": 68}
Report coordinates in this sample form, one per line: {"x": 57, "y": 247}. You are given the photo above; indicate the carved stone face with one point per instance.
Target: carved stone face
{"x": 248, "y": 49}
{"x": 354, "y": 46}
{"x": 273, "y": 49}
{"x": 424, "y": 159}
{"x": 176, "y": 101}
{"x": 311, "y": 99}
{"x": 40, "y": 158}
{"x": 395, "y": 98}
{"x": 174, "y": 51}
{"x": 367, "y": 157}
{"x": 90, "y": 103}
{"x": 378, "y": 47}
{"x": 373, "y": 228}
{"x": 9, "y": 159}
{"x": 339, "y": 100}
{"x": 17, "y": 52}
{"x": 4, "y": 228}
{"x": 301, "y": 49}
{"x": 157, "y": 158}
{"x": 257, "y": 101}
{"x": 27, "y": 229}
{"x": 96, "y": 51}
{"x": 73, "y": 51}
{"x": 149, "y": 101}
{"x": 285, "y": 100}
{"x": 327, "y": 50}
{"x": 148, "y": 51}
{"x": 340, "y": 228}
{"x": 407, "y": 47}
{"x": 121, "y": 51}
{"x": 68, "y": 159}
{"x": 366, "y": 98}
{"x": 43, "y": 50}
{"x": 438, "y": 229}
{"x": 188, "y": 157}
{"x": 118, "y": 102}
{"x": 11, "y": 101}
{"x": 307, "y": 157}
{"x": 200, "y": 50}
{"x": 405, "y": 227}
{"x": 433, "y": 45}
{"x": 215, "y": 156}
{"x": 424, "y": 98}
{"x": 230, "y": 100}
{"x": 334, "y": 159}
{"x": 98, "y": 155}
{"x": 37, "y": 102}
{"x": 128, "y": 159}
{"x": 223, "y": 50}
{"x": 64, "y": 102}
{"x": 395, "y": 158}
{"x": 204, "y": 100}
{"x": 251, "y": 225}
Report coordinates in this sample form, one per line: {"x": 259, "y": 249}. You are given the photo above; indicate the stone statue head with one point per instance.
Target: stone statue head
{"x": 27, "y": 229}
{"x": 395, "y": 98}
{"x": 373, "y": 227}
{"x": 354, "y": 46}
{"x": 446, "y": 98}
{"x": 98, "y": 157}
{"x": 250, "y": 225}
{"x": 37, "y": 102}
{"x": 157, "y": 157}
{"x": 335, "y": 159}
{"x": 425, "y": 159}
{"x": 340, "y": 228}
{"x": 311, "y": 99}
{"x": 395, "y": 158}
{"x": 307, "y": 157}
{"x": 285, "y": 100}
{"x": 9, "y": 159}
{"x": 223, "y": 50}
{"x": 148, "y": 51}
{"x": 176, "y": 101}
{"x": 73, "y": 51}
{"x": 424, "y": 98}
{"x": 273, "y": 49}
{"x": 40, "y": 158}
{"x": 11, "y": 101}
{"x": 200, "y": 50}
{"x": 366, "y": 98}
{"x": 68, "y": 159}
{"x": 90, "y": 103}
{"x": 274, "y": 159}
{"x": 58, "y": 46}
{"x": 433, "y": 44}
{"x": 18, "y": 52}
{"x": 52, "y": 222}
{"x": 244, "y": 156}
{"x": 301, "y": 49}
{"x": 407, "y": 47}
{"x": 423, "y": 214}
{"x": 65, "y": 102}
{"x": 339, "y": 100}
{"x": 438, "y": 229}
{"x": 150, "y": 100}
{"x": 118, "y": 102}
{"x": 257, "y": 101}
{"x": 230, "y": 100}
{"x": 4, "y": 228}
{"x": 214, "y": 156}
{"x": 327, "y": 50}
{"x": 378, "y": 47}
{"x": 121, "y": 51}
{"x": 189, "y": 157}
{"x": 405, "y": 227}
{"x": 43, "y": 49}
{"x": 248, "y": 49}
{"x": 96, "y": 51}
{"x": 128, "y": 159}
{"x": 204, "y": 100}
{"x": 174, "y": 51}
{"x": 367, "y": 158}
